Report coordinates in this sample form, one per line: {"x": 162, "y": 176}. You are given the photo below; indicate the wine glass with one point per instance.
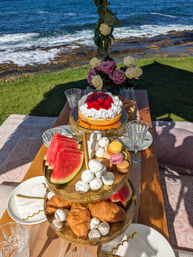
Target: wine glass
{"x": 14, "y": 240}
{"x": 136, "y": 131}
{"x": 73, "y": 95}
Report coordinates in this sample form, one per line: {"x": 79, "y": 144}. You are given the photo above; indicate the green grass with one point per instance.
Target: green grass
{"x": 169, "y": 82}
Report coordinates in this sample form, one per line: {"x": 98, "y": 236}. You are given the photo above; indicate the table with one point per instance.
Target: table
{"x": 151, "y": 209}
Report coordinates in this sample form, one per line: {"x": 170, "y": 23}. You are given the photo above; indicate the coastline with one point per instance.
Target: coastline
{"x": 172, "y": 44}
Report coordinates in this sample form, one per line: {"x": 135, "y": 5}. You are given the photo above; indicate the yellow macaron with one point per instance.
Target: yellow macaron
{"x": 115, "y": 147}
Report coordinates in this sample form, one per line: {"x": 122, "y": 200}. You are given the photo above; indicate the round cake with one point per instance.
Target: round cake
{"x": 99, "y": 110}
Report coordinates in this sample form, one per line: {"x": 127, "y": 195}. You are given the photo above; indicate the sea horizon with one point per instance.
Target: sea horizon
{"x": 36, "y": 32}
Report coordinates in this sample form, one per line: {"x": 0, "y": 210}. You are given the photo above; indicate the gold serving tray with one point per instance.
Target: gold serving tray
{"x": 68, "y": 191}
{"x": 116, "y": 228}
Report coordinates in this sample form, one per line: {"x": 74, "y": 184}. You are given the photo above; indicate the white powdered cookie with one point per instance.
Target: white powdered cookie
{"x": 104, "y": 142}
{"x": 100, "y": 152}
{"x": 87, "y": 176}
{"x": 96, "y": 183}
{"x": 82, "y": 187}
{"x": 58, "y": 225}
{"x": 94, "y": 222}
{"x": 94, "y": 234}
{"x": 61, "y": 214}
{"x": 104, "y": 228}
{"x": 101, "y": 172}
{"x": 94, "y": 165}
{"x": 108, "y": 178}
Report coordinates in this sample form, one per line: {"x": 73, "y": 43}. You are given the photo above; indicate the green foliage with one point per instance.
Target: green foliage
{"x": 108, "y": 17}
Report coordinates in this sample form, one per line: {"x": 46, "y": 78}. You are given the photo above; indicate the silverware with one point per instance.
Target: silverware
{"x": 30, "y": 197}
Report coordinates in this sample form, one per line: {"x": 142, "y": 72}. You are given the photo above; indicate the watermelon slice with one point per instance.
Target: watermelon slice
{"x": 124, "y": 195}
{"x": 57, "y": 145}
{"x": 67, "y": 166}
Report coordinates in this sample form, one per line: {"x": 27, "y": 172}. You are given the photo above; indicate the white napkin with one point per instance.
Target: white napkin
{"x": 28, "y": 207}
{"x": 135, "y": 246}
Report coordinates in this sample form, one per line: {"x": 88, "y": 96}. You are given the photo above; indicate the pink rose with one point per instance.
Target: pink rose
{"x": 90, "y": 75}
{"x": 107, "y": 67}
{"x": 118, "y": 76}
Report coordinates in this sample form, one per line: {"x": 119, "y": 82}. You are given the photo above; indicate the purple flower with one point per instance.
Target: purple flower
{"x": 90, "y": 75}
{"x": 107, "y": 67}
{"x": 118, "y": 76}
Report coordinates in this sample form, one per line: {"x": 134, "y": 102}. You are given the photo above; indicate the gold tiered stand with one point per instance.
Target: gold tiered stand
{"x": 68, "y": 191}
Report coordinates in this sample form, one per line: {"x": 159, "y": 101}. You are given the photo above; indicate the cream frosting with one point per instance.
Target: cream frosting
{"x": 115, "y": 109}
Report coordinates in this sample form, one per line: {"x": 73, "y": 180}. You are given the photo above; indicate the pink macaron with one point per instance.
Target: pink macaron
{"x": 116, "y": 158}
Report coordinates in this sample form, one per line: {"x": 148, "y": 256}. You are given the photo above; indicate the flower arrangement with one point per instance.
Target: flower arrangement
{"x": 107, "y": 76}
{"x": 104, "y": 73}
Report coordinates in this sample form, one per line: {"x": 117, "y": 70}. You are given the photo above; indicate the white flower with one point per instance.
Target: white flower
{"x": 97, "y": 82}
{"x": 105, "y": 29}
{"x": 128, "y": 61}
{"x": 133, "y": 72}
{"x": 95, "y": 62}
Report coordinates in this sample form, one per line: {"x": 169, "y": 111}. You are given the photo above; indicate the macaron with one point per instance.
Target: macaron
{"x": 116, "y": 158}
{"x": 123, "y": 167}
{"x": 106, "y": 155}
{"x": 115, "y": 147}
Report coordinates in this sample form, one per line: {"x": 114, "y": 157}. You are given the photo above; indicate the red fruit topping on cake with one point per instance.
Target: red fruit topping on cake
{"x": 99, "y": 100}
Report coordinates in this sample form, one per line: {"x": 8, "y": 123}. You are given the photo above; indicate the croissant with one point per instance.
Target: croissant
{"x": 107, "y": 211}
{"x": 79, "y": 221}
{"x": 55, "y": 203}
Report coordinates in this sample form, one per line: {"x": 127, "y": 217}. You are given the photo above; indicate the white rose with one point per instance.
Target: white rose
{"x": 128, "y": 61}
{"x": 97, "y": 82}
{"x": 105, "y": 29}
{"x": 95, "y": 62}
{"x": 133, "y": 72}
{"x": 138, "y": 71}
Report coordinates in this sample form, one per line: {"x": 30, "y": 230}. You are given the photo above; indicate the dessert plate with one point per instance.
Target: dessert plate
{"x": 147, "y": 142}
{"x": 146, "y": 242}
{"x": 24, "y": 189}
{"x": 63, "y": 130}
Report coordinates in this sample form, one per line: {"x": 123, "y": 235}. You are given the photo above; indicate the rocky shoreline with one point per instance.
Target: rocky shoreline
{"x": 173, "y": 44}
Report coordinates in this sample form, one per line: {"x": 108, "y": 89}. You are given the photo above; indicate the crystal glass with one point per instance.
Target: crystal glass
{"x": 73, "y": 95}
{"x": 136, "y": 131}
{"x": 129, "y": 93}
{"x": 14, "y": 240}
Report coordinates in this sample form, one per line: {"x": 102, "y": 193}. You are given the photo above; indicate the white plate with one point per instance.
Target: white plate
{"x": 12, "y": 208}
{"x": 148, "y": 242}
{"x": 63, "y": 130}
{"x": 147, "y": 142}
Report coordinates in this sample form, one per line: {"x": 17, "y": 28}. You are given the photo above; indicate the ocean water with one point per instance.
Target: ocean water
{"x": 33, "y": 31}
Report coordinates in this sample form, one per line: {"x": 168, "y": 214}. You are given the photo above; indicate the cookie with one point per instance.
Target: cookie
{"x": 61, "y": 214}
{"x": 94, "y": 165}
{"x": 104, "y": 142}
{"x": 94, "y": 234}
{"x": 123, "y": 167}
{"x": 94, "y": 222}
{"x": 115, "y": 147}
{"x": 82, "y": 187}
{"x": 96, "y": 184}
{"x": 104, "y": 228}
{"x": 108, "y": 179}
{"x": 87, "y": 176}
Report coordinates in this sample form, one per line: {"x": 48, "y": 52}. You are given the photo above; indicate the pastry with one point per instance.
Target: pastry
{"x": 104, "y": 228}
{"x": 96, "y": 184}
{"x": 94, "y": 165}
{"x": 116, "y": 158}
{"x": 87, "y": 176}
{"x": 101, "y": 172}
{"x": 100, "y": 152}
{"x": 94, "y": 222}
{"x": 104, "y": 142}
{"x": 61, "y": 214}
{"x": 58, "y": 225}
{"x": 82, "y": 187}
{"x": 108, "y": 179}
{"x": 79, "y": 221}
{"x": 123, "y": 167}
{"x": 115, "y": 147}
{"x": 55, "y": 203}
{"x": 99, "y": 110}
{"x": 106, "y": 155}
{"x": 94, "y": 234}
{"x": 107, "y": 211}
